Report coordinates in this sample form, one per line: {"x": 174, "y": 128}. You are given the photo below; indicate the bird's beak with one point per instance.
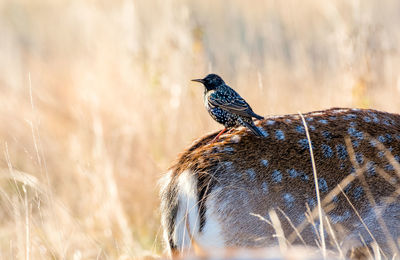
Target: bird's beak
{"x": 198, "y": 80}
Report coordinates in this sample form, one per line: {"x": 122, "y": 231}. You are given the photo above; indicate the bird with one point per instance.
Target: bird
{"x": 226, "y": 106}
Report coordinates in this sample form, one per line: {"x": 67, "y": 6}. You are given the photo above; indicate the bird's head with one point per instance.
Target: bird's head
{"x": 211, "y": 81}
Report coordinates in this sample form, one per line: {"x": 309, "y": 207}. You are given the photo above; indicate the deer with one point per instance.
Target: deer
{"x": 331, "y": 178}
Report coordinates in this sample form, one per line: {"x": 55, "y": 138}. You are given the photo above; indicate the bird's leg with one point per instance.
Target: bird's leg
{"x": 218, "y": 135}
{"x": 230, "y": 130}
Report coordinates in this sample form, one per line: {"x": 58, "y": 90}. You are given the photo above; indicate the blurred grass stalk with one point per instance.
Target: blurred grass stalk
{"x": 96, "y": 101}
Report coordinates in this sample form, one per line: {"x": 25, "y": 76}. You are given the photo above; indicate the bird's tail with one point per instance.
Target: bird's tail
{"x": 253, "y": 128}
{"x": 256, "y": 116}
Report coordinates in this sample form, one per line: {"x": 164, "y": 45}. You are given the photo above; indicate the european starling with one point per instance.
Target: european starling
{"x": 226, "y": 106}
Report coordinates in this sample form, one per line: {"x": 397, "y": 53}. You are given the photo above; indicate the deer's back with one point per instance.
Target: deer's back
{"x": 239, "y": 179}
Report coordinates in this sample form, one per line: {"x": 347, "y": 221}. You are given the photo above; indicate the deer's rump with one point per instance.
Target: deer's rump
{"x": 223, "y": 192}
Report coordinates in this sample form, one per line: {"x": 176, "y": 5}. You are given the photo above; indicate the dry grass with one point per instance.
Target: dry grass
{"x": 319, "y": 206}
{"x": 96, "y": 101}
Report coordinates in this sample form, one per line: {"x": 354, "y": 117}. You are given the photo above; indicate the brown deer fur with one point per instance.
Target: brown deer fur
{"x": 244, "y": 174}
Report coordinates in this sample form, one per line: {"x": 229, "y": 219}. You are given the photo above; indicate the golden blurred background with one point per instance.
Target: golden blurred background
{"x": 96, "y": 101}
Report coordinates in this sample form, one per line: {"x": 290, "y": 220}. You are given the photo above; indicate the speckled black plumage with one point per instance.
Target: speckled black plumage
{"x": 226, "y": 106}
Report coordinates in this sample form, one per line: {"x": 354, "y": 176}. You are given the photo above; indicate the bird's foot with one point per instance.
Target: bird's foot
{"x": 218, "y": 135}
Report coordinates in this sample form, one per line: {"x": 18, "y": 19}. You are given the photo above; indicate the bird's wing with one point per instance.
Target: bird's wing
{"x": 230, "y": 101}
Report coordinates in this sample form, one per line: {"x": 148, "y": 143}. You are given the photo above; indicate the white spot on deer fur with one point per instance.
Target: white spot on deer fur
{"x": 228, "y": 149}
{"x": 251, "y": 173}
{"x": 187, "y": 215}
{"x": 264, "y": 162}
{"x": 289, "y": 199}
{"x": 264, "y": 187}
{"x": 265, "y": 133}
{"x": 228, "y": 165}
{"x": 335, "y": 218}
{"x": 279, "y": 134}
{"x": 235, "y": 139}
